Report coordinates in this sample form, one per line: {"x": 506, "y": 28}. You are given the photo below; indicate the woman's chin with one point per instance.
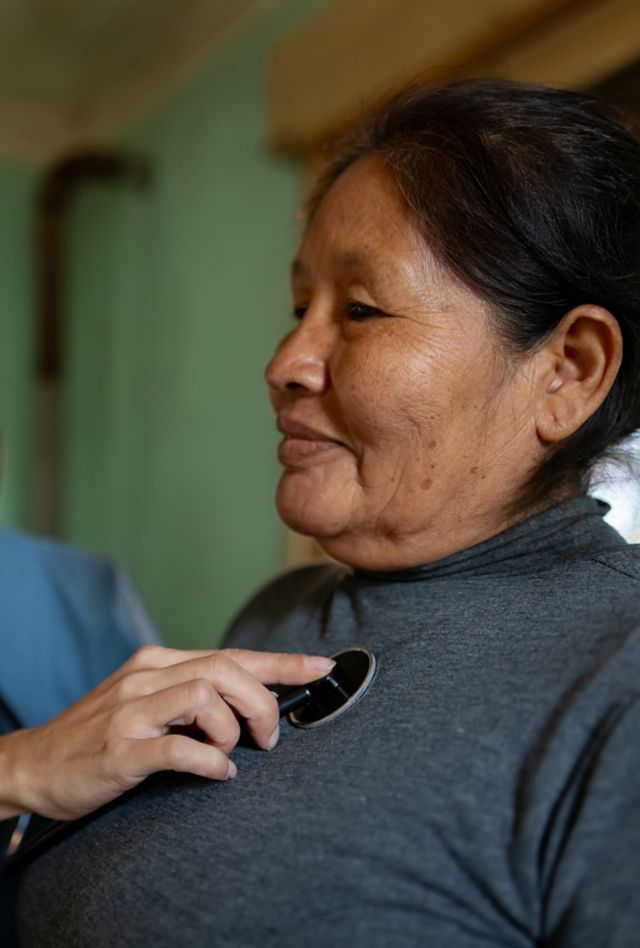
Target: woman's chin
{"x": 308, "y": 512}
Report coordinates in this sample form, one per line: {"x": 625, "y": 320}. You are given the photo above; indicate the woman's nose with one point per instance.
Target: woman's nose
{"x": 300, "y": 363}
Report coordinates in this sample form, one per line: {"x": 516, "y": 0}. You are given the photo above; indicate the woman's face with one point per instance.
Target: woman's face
{"x": 406, "y": 431}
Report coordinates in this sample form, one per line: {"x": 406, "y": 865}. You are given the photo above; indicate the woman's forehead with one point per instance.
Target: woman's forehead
{"x": 363, "y": 230}
{"x": 365, "y": 194}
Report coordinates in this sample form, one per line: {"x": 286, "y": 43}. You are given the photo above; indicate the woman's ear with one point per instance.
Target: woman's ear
{"x": 581, "y": 360}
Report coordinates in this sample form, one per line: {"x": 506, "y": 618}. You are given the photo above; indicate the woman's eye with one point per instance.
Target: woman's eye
{"x": 352, "y": 309}
{"x": 361, "y": 310}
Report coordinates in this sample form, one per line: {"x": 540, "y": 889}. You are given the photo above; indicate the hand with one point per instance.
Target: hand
{"x": 119, "y": 733}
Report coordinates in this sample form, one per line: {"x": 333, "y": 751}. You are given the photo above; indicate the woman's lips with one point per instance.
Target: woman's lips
{"x": 295, "y": 451}
{"x": 302, "y": 444}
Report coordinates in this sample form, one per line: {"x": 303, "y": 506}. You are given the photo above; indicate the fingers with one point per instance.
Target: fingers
{"x": 268, "y": 667}
{"x": 260, "y": 709}
{"x": 235, "y": 673}
{"x": 229, "y": 681}
{"x": 184, "y": 755}
{"x": 193, "y": 702}
{"x": 281, "y": 668}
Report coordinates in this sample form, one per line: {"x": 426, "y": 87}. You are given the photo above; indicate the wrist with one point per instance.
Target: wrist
{"x": 14, "y": 778}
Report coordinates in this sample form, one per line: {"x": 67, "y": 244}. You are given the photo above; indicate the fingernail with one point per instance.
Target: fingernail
{"x": 273, "y": 740}
{"x": 232, "y": 771}
{"x": 321, "y": 665}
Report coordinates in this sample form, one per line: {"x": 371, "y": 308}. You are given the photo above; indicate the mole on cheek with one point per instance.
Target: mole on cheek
{"x": 432, "y": 444}
{"x": 474, "y": 470}
{"x": 426, "y": 483}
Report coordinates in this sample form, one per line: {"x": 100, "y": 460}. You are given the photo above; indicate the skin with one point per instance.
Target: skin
{"x": 124, "y": 729}
{"x": 408, "y": 429}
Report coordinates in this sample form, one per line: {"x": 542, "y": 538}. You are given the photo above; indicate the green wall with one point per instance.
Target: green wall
{"x": 177, "y": 296}
{"x": 16, "y": 325}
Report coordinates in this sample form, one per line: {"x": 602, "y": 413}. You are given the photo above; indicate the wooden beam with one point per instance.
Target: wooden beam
{"x": 578, "y": 49}
{"x": 353, "y": 50}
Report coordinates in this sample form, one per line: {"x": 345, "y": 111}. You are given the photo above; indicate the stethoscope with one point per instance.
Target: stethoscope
{"x": 328, "y": 698}
{"x": 311, "y": 706}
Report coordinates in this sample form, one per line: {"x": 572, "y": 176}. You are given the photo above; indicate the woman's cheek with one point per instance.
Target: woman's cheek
{"x": 379, "y": 365}
{"x": 387, "y": 388}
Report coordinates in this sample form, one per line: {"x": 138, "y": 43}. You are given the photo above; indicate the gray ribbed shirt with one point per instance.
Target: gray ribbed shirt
{"x": 486, "y": 791}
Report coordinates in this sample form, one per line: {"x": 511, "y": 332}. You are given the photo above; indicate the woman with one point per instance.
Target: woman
{"x": 466, "y": 347}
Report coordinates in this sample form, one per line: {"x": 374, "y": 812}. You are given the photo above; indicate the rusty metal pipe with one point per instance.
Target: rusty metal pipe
{"x": 53, "y": 197}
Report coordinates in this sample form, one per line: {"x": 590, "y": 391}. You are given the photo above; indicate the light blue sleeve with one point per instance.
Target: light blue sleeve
{"x": 67, "y": 620}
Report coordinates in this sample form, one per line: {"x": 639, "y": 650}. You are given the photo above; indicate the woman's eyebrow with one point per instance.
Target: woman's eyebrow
{"x": 347, "y": 260}
{"x": 359, "y": 261}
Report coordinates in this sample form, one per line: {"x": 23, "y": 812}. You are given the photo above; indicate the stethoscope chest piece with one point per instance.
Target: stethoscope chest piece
{"x": 332, "y": 696}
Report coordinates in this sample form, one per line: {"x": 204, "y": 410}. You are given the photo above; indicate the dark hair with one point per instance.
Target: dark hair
{"x": 531, "y": 197}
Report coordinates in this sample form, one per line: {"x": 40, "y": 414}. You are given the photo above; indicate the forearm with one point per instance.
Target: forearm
{"x": 13, "y": 773}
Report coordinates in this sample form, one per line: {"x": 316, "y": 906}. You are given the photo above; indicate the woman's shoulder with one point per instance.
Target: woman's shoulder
{"x": 625, "y": 560}
{"x": 580, "y": 796}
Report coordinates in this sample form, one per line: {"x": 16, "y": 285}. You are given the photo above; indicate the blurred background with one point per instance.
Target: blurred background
{"x": 153, "y": 154}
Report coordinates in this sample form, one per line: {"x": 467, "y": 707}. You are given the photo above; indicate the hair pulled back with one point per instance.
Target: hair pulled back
{"x": 531, "y": 197}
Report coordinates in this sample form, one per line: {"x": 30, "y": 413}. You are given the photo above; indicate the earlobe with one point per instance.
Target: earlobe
{"x": 582, "y": 358}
